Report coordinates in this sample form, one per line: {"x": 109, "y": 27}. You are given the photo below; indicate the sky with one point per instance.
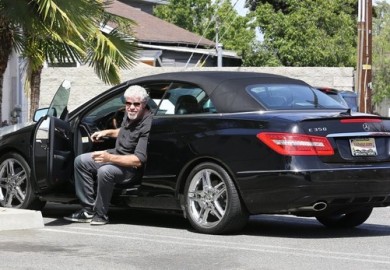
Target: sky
{"x": 240, "y": 6}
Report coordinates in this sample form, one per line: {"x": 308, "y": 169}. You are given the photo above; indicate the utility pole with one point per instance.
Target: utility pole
{"x": 364, "y": 59}
{"x": 218, "y": 45}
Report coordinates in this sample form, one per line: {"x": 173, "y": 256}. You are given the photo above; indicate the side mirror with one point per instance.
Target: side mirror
{"x": 43, "y": 112}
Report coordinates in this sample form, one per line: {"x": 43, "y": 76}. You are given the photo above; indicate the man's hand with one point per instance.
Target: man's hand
{"x": 129, "y": 160}
{"x": 98, "y": 136}
{"x": 101, "y": 156}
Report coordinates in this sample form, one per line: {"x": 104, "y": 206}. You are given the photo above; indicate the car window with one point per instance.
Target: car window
{"x": 103, "y": 115}
{"x": 181, "y": 99}
{"x": 337, "y": 97}
{"x": 107, "y": 106}
{"x": 58, "y": 106}
{"x": 347, "y": 98}
{"x": 351, "y": 100}
{"x": 110, "y": 112}
{"x": 287, "y": 97}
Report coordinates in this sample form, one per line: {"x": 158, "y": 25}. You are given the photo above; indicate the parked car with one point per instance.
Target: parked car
{"x": 347, "y": 98}
{"x": 242, "y": 144}
{"x": 351, "y": 98}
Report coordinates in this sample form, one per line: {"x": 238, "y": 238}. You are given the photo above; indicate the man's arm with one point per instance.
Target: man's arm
{"x": 98, "y": 135}
{"x": 130, "y": 160}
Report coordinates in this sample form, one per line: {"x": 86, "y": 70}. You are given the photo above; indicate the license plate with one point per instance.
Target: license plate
{"x": 363, "y": 147}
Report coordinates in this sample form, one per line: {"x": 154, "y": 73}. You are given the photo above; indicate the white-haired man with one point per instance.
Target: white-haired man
{"x": 107, "y": 168}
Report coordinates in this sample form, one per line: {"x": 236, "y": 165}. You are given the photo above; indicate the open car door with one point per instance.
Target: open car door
{"x": 52, "y": 150}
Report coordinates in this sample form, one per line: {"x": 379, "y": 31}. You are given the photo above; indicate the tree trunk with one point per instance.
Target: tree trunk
{"x": 35, "y": 91}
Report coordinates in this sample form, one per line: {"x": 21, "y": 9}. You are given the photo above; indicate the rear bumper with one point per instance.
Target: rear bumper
{"x": 296, "y": 192}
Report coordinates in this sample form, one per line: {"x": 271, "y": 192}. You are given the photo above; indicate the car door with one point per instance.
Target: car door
{"x": 172, "y": 129}
{"x": 52, "y": 153}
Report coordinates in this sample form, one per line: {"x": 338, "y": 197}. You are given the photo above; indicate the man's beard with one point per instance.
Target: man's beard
{"x": 132, "y": 116}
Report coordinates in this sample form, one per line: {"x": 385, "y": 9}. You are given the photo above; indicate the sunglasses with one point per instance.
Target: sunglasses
{"x": 136, "y": 104}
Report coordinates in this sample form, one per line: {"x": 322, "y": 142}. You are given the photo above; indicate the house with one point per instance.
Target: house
{"x": 145, "y": 5}
{"x": 161, "y": 44}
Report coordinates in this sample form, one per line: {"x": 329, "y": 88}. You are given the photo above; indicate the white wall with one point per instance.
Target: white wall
{"x": 85, "y": 84}
{"x": 13, "y": 94}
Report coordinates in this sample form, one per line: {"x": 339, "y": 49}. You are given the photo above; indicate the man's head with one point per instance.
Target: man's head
{"x": 136, "y": 100}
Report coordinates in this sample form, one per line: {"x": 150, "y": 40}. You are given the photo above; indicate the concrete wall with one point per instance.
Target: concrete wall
{"x": 85, "y": 84}
{"x": 383, "y": 108}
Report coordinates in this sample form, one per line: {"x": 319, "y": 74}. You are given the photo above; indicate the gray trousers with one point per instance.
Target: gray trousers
{"x": 91, "y": 176}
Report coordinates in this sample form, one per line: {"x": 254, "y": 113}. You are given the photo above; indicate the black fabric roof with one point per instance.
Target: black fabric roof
{"x": 225, "y": 88}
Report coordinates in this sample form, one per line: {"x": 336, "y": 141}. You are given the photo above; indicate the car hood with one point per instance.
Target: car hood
{"x": 10, "y": 129}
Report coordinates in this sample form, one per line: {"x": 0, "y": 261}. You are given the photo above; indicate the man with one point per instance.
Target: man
{"x": 112, "y": 166}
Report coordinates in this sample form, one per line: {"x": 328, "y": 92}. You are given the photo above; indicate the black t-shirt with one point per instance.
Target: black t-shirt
{"x": 133, "y": 137}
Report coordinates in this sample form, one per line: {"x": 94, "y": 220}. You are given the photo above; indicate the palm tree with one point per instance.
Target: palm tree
{"x": 62, "y": 31}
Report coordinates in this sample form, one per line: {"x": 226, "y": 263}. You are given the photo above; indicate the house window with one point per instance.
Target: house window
{"x": 63, "y": 64}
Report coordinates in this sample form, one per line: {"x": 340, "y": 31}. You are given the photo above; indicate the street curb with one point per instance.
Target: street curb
{"x": 20, "y": 219}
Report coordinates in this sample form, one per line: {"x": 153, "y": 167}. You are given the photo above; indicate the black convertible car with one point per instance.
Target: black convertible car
{"x": 223, "y": 146}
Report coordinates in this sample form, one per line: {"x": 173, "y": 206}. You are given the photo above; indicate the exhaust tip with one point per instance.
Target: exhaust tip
{"x": 320, "y": 206}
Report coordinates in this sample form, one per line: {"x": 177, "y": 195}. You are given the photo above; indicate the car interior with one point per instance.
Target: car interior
{"x": 166, "y": 99}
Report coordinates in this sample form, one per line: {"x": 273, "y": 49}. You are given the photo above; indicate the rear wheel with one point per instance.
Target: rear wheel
{"x": 15, "y": 184}
{"x": 347, "y": 220}
{"x": 212, "y": 202}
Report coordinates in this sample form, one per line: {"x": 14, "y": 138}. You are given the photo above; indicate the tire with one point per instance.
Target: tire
{"x": 212, "y": 202}
{"x": 15, "y": 184}
{"x": 348, "y": 220}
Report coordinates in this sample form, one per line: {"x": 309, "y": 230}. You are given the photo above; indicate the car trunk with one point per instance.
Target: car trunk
{"x": 355, "y": 139}
{"x": 331, "y": 157}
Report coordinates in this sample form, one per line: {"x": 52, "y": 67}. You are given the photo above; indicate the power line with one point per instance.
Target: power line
{"x": 225, "y": 31}
{"x": 213, "y": 18}
{"x": 203, "y": 35}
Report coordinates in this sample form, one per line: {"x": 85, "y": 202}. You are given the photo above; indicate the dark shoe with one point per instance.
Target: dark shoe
{"x": 99, "y": 220}
{"x": 82, "y": 216}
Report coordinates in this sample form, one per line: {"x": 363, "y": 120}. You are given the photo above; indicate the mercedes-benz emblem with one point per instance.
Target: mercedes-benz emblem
{"x": 366, "y": 127}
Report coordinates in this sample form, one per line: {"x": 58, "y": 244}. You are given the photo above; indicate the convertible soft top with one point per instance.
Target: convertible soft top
{"x": 218, "y": 85}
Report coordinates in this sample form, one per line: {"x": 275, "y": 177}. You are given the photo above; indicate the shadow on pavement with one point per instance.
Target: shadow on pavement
{"x": 119, "y": 216}
{"x": 298, "y": 227}
{"x": 259, "y": 225}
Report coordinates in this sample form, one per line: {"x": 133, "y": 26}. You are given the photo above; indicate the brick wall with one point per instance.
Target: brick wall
{"x": 85, "y": 84}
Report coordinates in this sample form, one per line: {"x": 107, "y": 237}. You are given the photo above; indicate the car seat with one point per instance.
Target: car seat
{"x": 276, "y": 101}
{"x": 187, "y": 104}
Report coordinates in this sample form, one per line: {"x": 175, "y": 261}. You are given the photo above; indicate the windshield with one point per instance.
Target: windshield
{"x": 292, "y": 97}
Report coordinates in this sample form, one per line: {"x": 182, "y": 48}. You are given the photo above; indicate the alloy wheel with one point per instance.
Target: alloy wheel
{"x": 13, "y": 183}
{"x": 207, "y": 198}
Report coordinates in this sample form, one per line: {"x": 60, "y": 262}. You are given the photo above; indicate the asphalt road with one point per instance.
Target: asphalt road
{"x": 152, "y": 240}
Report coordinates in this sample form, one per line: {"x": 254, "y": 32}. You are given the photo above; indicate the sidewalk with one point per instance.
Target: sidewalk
{"x": 20, "y": 219}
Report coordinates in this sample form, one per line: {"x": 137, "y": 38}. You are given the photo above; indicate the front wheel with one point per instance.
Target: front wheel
{"x": 15, "y": 184}
{"x": 212, "y": 202}
{"x": 348, "y": 220}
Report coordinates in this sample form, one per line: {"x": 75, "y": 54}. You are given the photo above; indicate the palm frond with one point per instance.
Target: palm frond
{"x": 110, "y": 53}
{"x": 63, "y": 31}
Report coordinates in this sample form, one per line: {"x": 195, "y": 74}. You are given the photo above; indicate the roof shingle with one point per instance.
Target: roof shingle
{"x": 150, "y": 29}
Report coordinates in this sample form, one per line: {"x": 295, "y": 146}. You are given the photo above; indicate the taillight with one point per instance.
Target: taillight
{"x": 360, "y": 120}
{"x": 292, "y": 144}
